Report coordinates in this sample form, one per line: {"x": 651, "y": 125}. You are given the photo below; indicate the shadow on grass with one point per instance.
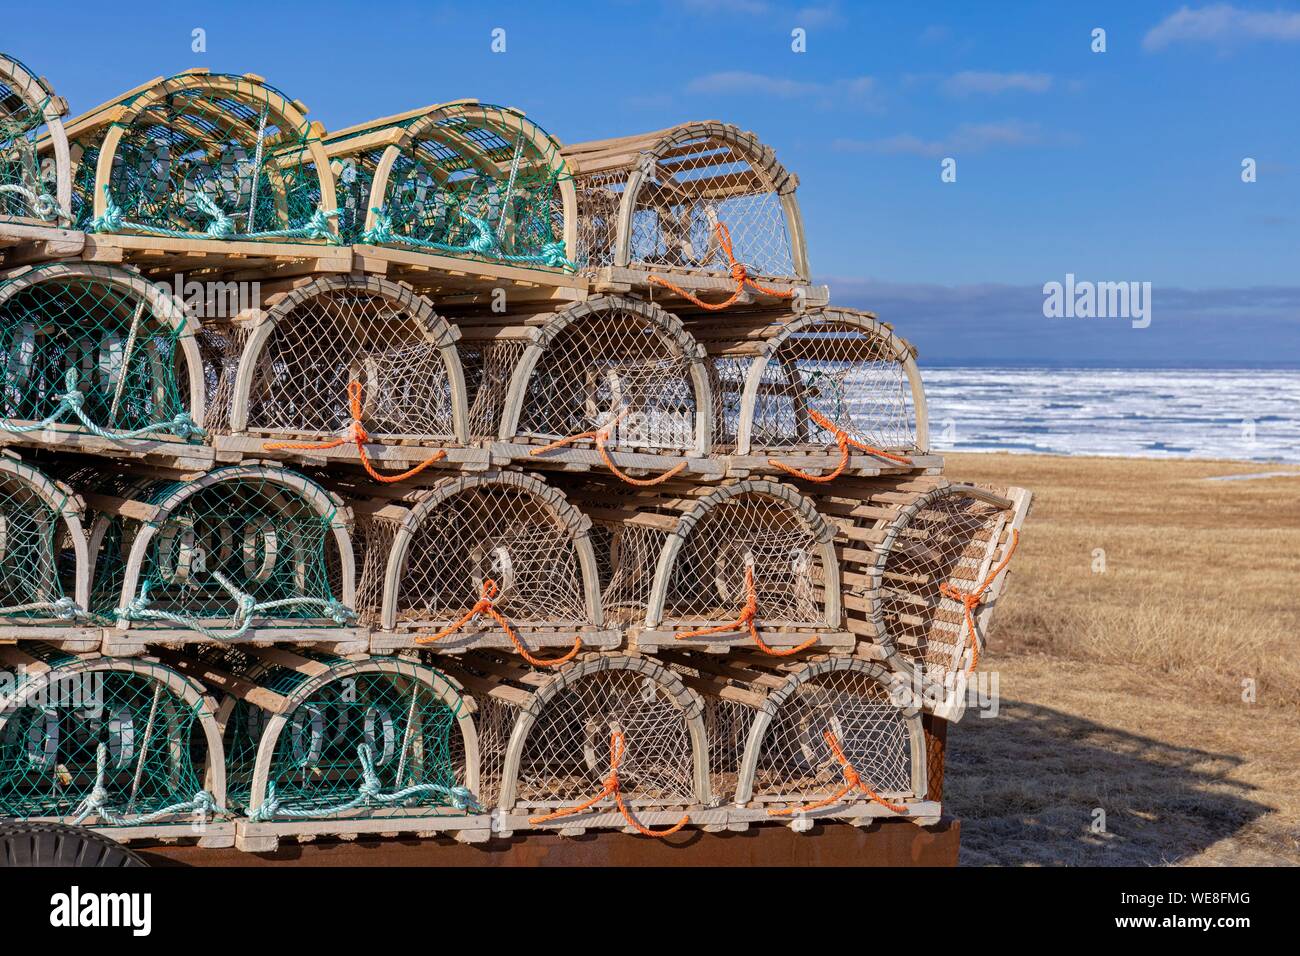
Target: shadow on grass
{"x": 1027, "y": 784}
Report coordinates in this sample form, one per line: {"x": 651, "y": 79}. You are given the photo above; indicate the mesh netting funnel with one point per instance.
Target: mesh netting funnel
{"x": 202, "y": 155}
{"x": 304, "y": 356}
{"x": 247, "y": 552}
{"x": 321, "y": 744}
{"x": 940, "y": 569}
{"x": 504, "y": 538}
{"x": 462, "y": 179}
{"x": 655, "y": 202}
{"x": 614, "y": 363}
{"x": 44, "y": 566}
{"x": 121, "y": 743}
{"x": 32, "y": 187}
{"x": 832, "y": 371}
{"x": 839, "y": 738}
{"x": 751, "y": 563}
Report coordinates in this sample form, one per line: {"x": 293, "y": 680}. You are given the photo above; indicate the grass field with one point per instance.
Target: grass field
{"x": 1145, "y": 603}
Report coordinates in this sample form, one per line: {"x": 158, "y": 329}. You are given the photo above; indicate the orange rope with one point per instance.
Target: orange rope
{"x": 851, "y": 782}
{"x": 484, "y": 605}
{"x": 611, "y": 788}
{"x": 600, "y": 436}
{"x": 738, "y": 274}
{"x": 358, "y": 436}
{"x": 969, "y": 600}
{"x": 746, "y": 621}
{"x": 843, "y": 440}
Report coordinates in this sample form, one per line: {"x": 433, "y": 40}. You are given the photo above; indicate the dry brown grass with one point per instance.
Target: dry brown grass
{"x": 1123, "y": 690}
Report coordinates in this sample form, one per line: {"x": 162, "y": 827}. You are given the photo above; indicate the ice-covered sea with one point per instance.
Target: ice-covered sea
{"x": 1195, "y": 413}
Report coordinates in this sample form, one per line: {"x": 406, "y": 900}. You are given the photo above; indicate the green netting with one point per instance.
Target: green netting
{"x": 100, "y": 746}
{"x": 206, "y": 156}
{"x": 38, "y": 565}
{"x": 237, "y": 551}
{"x": 361, "y": 742}
{"x": 27, "y": 186}
{"x": 471, "y": 180}
{"x": 93, "y": 352}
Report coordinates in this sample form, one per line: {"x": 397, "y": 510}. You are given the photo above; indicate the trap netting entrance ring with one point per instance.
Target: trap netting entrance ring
{"x": 655, "y": 202}
{"x": 622, "y": 365}
{"x": 462, "y": 179}
{"x": 753, "y": 560}
{"x": 32, "y": 187}
{"x": 44, "y": 561}
{"x": 99, "y": 350}
{"x": 505, "y": 538}
{"x": 204, "y": 155}
{"x": 631, "y": 710}
{"x": 310, "y": 736}
{"x": 107, "y": 742}
{"x": 836, "y": 368}
{"x": 941, "y": 566}
{"x": 249, "y": 549}
{"x": 301, "y": 360}
{"x": 840, "y": 737}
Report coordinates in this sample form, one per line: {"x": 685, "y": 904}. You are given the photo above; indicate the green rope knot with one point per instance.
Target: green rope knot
{"x": 184, "y": 426}
{"x": 381, "y": 233}
{"x": 221, "y": 226}
{"x": 111, "y": 220}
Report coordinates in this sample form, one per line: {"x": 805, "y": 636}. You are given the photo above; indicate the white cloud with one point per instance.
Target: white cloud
{"x": 859, "y": 90}
{"x": 966, "y": 138}
{"x": 971, "y": 82}
{"x": 1223, "y": 25}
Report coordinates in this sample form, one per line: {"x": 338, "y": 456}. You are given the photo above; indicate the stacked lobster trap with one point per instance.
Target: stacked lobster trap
{"x": 533, "y": 489}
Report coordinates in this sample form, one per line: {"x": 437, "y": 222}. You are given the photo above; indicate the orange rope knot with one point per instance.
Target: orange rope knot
{"x": 969, "y": 600}
{"x": 601, "y": 435}
{"x": 746, "y": 622}
{"x": 852, "y": 781}
{"x": 843, "y": 440}
{"x": 356, "y": 433}
{"x": 612, "y": 788}
{"x": 484, "y": 605}
{"x": 739, "y": 275}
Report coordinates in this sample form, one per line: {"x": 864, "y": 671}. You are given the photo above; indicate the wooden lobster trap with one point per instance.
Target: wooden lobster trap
{"x": 249, "y": 553}
{"x": 462, "y": 179}
{"x": 497, "y": 560}
{"x": 749, "y": 563}
{"x": 202, "y": 155}
{"x": 98, "y": 359}
{"x": 611, "y": 383}
{"x": 44, "y": 566}
{"x": 128, "y": 747}
{"x": 703, "y": 207}
{"x": 611, "y": 741}
{"x": 356, "y": 370}
{"x": 318, "y": 745}
{"x": 32, "y": 189}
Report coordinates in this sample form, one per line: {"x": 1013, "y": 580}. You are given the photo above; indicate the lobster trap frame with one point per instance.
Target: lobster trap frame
{"x": 948, "y": 545}
{"x": 610, "y": 373}
{"x": 166, "y": 799}
{"x": 652, "y": 203}
{"x": 316, "y": 712}
{"x": 559, "y": 748}
{"x": 98, "y": 359}
{"x": 509, "y": 528}
{"x": 791, "y": 769}
{"x": 41, "y": 534}
{"x": 168, "y": 592}
{"x": 460, "y": 179}
{"x": 338, "y": 335}
{"x": 202, "y": 155}
{"x": 27, "y": 105}
{"x": 786, "y": 562}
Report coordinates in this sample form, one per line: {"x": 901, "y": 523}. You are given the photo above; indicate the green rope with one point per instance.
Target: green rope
{"x": 43, "y": 204}
{"x": 370, "y": 792}
{"x": 221, "y": 226}
{"x": 65, "y": 609}
{"x": 246, "y": 608}
{"x": 484, "y": 243}
{"x": 74, "y": 400}
{"x": 96, "y": 802}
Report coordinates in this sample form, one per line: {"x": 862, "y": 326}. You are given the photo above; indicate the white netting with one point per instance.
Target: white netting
{"x": 487, "y": 367}
{"x": 626, "y": 556}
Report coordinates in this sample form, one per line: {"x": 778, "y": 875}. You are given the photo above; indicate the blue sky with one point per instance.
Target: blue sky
{"x": 1123, "y": 165}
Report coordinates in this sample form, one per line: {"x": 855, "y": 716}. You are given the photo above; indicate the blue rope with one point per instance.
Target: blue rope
{"x": 484, "y": 243}
{"x": 221, "y": 226}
